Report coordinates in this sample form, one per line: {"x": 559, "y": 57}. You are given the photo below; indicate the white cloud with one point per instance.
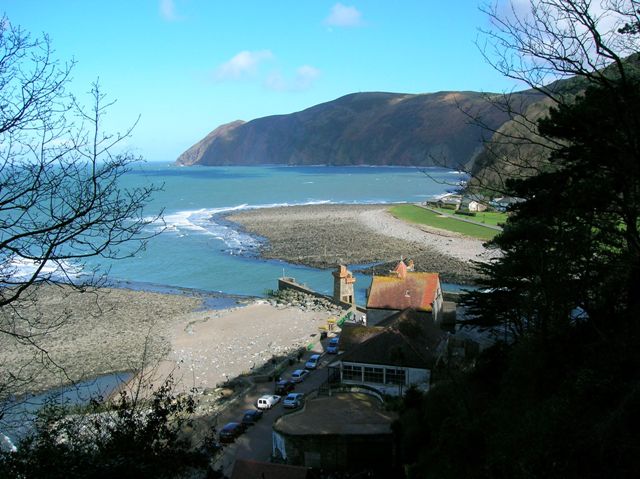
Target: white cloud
{"x": 305, "y": 76}
{"x": 303, "y": 80}
{"x": 344, "y": 16}
{"x": 168, "y": 11}
{"x": 242, "y": 64}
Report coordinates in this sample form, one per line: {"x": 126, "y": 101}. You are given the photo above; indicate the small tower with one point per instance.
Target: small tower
{"x": 343, "y": 281}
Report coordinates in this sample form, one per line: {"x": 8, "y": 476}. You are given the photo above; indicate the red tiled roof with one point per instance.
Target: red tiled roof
{"x": 401, "y": 270}
{"x": 416, "y": 290}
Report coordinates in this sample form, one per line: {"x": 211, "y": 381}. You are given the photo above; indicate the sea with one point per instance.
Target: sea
{"x": 197, "y": 249}
{"x": 193, "y": 248}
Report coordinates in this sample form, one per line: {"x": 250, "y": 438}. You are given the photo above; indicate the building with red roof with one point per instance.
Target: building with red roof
{"x": 402, "y": 289}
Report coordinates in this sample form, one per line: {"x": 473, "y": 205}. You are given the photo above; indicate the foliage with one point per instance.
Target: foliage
{"x": 559, "y": 412}
{"x": 574, "y": 244}
{"x": 559, "y": 400}
{"x": 557, "y": 48}
{"x": 415, "y": 214}
{"x": 131, "y": 437}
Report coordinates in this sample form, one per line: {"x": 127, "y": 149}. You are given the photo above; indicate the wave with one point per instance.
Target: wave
{"x": 210, "y": 221}
{"x": 19, "y": 269}
{"x": 204, "y": 221}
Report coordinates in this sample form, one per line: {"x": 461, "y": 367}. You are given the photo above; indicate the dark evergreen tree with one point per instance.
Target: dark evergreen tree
{"x": 572, "y": 247}
{"x": 560, "y": 400}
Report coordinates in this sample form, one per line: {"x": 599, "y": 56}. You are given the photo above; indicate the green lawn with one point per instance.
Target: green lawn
{"x": 415, "y": 214}
{"x": 493, "y": 218}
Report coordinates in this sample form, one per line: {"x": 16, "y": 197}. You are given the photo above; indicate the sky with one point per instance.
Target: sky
{"x": 185, "y": 67}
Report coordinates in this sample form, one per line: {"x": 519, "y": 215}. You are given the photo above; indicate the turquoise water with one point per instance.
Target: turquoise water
{"x": 18, "y": 416}
{"x": 197, "y": 250}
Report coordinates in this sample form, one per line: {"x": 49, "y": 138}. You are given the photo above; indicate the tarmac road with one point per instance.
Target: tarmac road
{"x": 256, "y": 442}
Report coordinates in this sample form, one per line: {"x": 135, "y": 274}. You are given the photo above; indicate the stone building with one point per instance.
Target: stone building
{"x": 340, "y": 432}
{"x": 343, "y": 289}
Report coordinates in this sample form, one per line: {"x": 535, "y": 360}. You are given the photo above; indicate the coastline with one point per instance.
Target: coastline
{"x": 324, "y": 235}
{"x": 110, "y": 330}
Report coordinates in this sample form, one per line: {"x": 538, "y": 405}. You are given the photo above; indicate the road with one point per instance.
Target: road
{"x": 256, "y": 442}
{"x": 458, "y": 217}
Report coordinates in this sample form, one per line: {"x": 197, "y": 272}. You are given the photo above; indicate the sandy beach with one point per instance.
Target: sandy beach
{"x": 325, "y": 235}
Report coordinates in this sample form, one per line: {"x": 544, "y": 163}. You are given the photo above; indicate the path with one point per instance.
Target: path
{"x": 256, "y": 442}
{"x": 457, "y": 217}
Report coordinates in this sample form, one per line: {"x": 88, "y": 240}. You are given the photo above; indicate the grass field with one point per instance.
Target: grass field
{"x": 492, "y": 218}
{"x": 415, "y": 214}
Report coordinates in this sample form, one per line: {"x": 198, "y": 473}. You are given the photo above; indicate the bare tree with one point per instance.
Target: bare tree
{"x": 61, "y": 199}
{"x": 557, "y": 48}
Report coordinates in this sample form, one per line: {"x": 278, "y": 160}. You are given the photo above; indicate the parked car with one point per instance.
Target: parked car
{"x": 299, "y": 375}
{"x": 251, "y": 416}
{"x": 293, "y": 400}
{"x": 230, "y": 431}
{"x": 268, "y": 401}
{"x": 332, "y": 346}
{"x": 284, "y": 386}
{"x": 313, "y": 362}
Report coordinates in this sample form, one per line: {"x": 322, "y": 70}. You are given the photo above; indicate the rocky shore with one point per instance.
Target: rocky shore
{"x": 322, "y": 236}
{"x": 83, "y": 335}
{"x": 80, "y": 335}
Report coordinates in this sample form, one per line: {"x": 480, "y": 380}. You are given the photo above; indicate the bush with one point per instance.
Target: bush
{"x": 447, "y": 206}
{"x": 129, "y": 438}
{"x": 466, "y": 213}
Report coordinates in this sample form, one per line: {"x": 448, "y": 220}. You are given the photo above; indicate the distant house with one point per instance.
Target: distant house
{"x": 504, "y": 202}
{"x": 403, "y": 289}
{"x": 474, "y": 204}
{"x": 398, "y": 353}
{"x": 449, "y": 201}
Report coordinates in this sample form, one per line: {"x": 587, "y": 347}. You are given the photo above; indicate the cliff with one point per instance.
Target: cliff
{"x": 360, "y": 129}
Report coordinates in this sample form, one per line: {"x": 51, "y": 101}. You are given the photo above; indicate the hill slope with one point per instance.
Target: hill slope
{"x": 359, "y": 129}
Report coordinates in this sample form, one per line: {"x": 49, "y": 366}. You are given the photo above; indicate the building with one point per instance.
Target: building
{"x": 402, "y": 289}
{"x": 343, "y": 281}
{"x": 339, "y": 432}
{"x": 396, "y": 354}
{"x": 474, "y": 206}
{"x": 450, "y": 201}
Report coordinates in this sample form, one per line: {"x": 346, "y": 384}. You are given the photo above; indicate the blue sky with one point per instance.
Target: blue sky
{"x": 187, "y": 66}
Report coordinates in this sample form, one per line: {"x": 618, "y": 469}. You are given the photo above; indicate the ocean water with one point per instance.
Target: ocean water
{"x": 197, "y": 250}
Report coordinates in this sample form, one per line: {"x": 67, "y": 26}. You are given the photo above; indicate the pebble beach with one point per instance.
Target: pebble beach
{"x": 323, "y": 236}
{"x": 109, "y": 330}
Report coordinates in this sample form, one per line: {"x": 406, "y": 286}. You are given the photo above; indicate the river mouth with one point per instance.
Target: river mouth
{"x": 19, "y": 414}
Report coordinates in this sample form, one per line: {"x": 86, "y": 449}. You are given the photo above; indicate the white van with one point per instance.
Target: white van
{"x": 267, "y": 402}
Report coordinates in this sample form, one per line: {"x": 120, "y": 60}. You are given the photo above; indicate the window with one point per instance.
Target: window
{"x": 351, "y": 373}
{"x": 374, "y": 375}
{"x": 395, "y": 376}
